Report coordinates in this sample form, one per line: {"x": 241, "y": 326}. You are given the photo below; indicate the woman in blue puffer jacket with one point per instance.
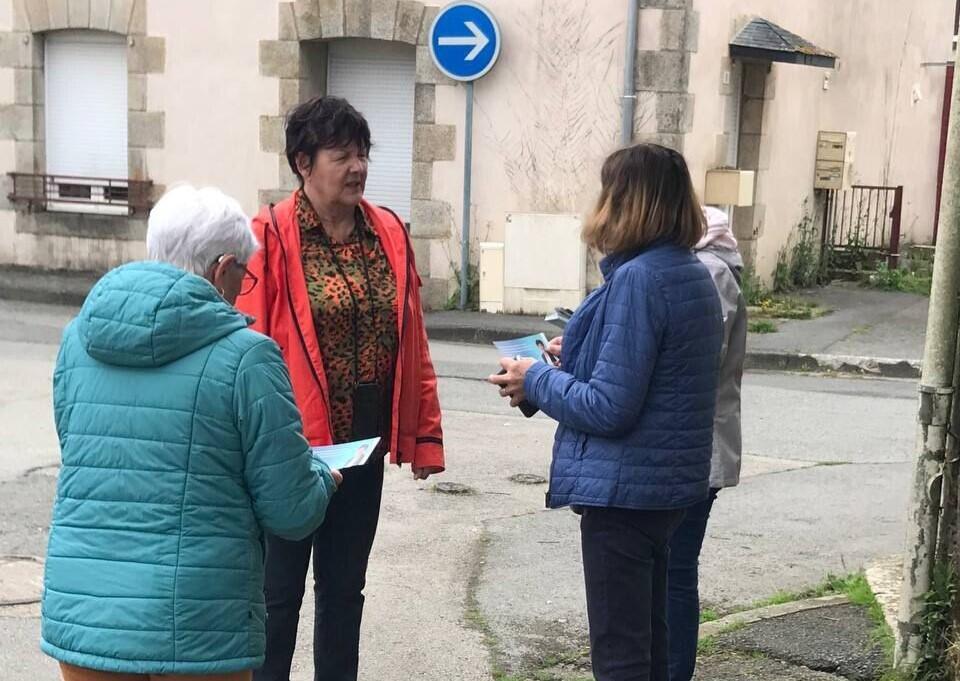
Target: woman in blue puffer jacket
{"x": 181, "y": 444}
{"x": 634, "y": 400}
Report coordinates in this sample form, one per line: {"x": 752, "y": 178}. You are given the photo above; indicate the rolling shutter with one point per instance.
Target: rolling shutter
{"x": 378, "y": 78}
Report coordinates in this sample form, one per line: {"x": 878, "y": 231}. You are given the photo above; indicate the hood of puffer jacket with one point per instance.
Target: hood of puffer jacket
{"x": 719, "y": 239}
{"x": 148, "y": 314}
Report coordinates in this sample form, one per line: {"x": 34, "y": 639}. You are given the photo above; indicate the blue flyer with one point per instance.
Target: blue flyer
{"x": 530, "y": 347}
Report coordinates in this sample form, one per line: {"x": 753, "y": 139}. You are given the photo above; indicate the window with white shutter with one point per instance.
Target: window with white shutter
{"x": 378, "y": 78}
{"x": 85, "y": 75}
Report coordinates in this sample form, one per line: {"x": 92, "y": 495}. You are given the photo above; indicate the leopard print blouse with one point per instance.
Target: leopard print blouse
{"x": 333, "y": 310}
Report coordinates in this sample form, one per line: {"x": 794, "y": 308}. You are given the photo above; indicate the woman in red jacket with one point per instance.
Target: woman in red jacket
{"x": 339, "y": 292}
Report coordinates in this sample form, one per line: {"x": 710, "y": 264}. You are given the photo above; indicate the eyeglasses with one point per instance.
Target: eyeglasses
{"x": 249, "y": 281}
{"x": 249, "y": 278}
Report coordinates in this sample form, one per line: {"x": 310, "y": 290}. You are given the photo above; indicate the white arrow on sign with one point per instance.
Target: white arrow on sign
{"x": 477, "y": 41}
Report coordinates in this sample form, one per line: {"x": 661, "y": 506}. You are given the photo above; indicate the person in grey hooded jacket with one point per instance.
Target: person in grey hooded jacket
{"x": 718, "y": 251}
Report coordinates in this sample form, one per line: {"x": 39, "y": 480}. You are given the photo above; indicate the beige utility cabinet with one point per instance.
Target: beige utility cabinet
{"x": 729, "y": 187}
{"x": 491, "y": 277}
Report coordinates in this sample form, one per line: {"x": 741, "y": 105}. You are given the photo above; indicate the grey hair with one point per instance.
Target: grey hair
{"x": 190, "y": 228}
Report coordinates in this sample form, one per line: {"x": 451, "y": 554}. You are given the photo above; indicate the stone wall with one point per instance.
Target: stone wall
{"x": 668, "y": 34}
{"x": 297, "y": 60}
{"x": 63, "y": 240}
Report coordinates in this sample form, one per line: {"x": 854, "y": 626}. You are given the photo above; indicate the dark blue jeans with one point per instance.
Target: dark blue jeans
{"x": 340, "y": 548}
{"x": 625, "y": 560}
{"x": 683, "y": 594}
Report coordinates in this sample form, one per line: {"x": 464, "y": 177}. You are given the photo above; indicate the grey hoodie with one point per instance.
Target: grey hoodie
{"x": 726, "y": 266}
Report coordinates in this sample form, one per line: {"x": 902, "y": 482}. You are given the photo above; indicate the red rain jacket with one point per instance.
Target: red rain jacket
{"x": 281, "y": 308}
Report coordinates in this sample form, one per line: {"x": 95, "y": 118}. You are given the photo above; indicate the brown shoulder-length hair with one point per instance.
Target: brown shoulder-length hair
{"x": 647, "y": 196}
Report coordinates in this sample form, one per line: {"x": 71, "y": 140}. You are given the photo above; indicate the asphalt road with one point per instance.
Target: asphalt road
{"x": 824, "y": 490}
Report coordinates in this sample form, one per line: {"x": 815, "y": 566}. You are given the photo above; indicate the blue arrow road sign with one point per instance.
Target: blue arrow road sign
{"x": 465, "y": 41}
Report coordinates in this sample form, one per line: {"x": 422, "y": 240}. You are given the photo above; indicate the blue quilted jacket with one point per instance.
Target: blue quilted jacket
{"x": 181, "y": 444}
{"x": 636, "y": 395}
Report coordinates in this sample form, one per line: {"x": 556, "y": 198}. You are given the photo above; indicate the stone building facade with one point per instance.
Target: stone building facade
{"x": 209, "y": 84}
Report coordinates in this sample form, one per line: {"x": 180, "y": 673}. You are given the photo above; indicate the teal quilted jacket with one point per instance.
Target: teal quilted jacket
{"x": 181, "y": 444}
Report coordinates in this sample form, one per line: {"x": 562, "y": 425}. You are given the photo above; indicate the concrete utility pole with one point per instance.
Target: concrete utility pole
{"x": 938, "y": 384}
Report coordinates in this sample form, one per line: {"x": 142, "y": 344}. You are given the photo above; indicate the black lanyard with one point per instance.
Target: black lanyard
{"x": 355, "y": 304}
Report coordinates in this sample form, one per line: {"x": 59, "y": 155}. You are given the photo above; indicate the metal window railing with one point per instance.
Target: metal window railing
{"x": 72, "y": 194}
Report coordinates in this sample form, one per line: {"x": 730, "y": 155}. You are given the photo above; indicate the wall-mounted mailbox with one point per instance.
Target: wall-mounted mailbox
{"x": 834, "y": 160}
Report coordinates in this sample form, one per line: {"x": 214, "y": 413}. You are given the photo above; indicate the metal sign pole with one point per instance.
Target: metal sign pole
{"x": 465, "y": 44}
{"x": 467, "y": 179}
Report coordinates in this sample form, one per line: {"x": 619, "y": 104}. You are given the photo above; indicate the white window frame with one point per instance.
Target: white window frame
{"x": 66, "y": 178}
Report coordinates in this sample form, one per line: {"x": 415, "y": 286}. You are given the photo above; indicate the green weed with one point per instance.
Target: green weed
{"x": 936, "y": 627}
{"x": 708, "y": 616}
{"x": 905, "y": 280}
{"x": 799, "y": 264}
{"x": 707, "y": 646}
{"x": 762, "y": 326}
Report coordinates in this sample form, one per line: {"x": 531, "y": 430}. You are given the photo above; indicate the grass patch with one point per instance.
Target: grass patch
{"x": 708, "y": 616}
{"x": 762, "y": 326}
{"x": 830, "y": 586}
{"x": 707, "y": 646}
{"x": 859, "y": 592}
{"x": 732, "y": 627}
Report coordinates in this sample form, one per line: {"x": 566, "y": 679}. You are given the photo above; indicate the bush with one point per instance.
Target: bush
{"x": 800, "y": 264}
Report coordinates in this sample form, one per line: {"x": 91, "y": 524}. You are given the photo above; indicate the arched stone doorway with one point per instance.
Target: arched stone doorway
{"x": 304, "y": 26}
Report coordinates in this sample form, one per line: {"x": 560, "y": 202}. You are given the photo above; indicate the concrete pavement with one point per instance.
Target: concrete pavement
{"x": 863, "y": 322}
{"x": 460, "y": 585}
{"x": 868, "y": 332}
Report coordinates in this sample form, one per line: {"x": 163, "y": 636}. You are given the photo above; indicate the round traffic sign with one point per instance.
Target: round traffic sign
{"x": 465, "y": 41}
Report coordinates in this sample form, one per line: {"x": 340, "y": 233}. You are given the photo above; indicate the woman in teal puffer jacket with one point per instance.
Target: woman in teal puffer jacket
{"x": 181, "y": 444}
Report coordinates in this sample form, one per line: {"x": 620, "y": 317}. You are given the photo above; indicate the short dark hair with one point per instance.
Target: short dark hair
{"x": 324, "y": 123}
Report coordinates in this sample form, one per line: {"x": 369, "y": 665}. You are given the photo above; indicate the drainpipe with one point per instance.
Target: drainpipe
{"x": 629, "y": 103}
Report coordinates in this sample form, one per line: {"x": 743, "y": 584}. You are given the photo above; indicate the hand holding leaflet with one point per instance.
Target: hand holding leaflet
{"x": 533, "y": 347}
{"x": 525, "y": 407}
{"x": 528, "y": 347}
{"x": 346, "y": 455}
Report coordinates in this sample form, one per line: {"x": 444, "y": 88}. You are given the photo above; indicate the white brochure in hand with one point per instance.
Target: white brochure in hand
{"x": 346, "y": 455}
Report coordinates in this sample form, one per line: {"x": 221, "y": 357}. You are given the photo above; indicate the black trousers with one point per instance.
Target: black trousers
{"x": 341, "y": 548}
{"x": 625, "y": 561}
